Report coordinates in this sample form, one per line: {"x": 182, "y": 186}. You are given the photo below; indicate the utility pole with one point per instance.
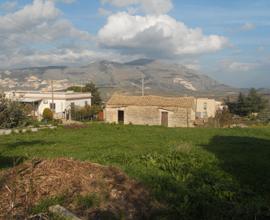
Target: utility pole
{"x": 53, "y": 108}
{"x": 142, "y": 85}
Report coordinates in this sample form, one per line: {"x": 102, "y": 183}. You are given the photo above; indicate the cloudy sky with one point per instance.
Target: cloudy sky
{"x": 227, "y": 40}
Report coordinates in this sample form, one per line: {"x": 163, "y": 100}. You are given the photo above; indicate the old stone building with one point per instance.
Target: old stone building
{"x": 151, "y": 110}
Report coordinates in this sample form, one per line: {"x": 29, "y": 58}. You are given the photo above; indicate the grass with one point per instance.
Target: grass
{"x": 44, "y": 205}
{"x": 196, "y": 173}
{"x": 88, "y": 201}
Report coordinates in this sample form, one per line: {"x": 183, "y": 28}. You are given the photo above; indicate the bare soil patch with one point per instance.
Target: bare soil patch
{"x": 89, "y": 190}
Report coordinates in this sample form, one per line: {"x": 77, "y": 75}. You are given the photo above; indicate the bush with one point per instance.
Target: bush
{"x": 47, "y": 114}
{"x": 11, "y": 114}
{"x": 85, "y": 113}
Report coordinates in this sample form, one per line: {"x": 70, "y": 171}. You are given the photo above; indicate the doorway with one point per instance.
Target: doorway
{"x": 164, "y": 119}
{"x": 121, "y": 117}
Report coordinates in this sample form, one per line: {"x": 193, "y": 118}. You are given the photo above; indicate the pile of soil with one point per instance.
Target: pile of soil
{"x": 24, "y": 187}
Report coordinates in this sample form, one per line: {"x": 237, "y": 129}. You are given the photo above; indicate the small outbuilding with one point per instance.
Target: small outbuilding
{"x": 151, "y": 110}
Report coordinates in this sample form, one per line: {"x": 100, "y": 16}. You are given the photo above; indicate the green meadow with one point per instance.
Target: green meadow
{"x": 195, "y": 173}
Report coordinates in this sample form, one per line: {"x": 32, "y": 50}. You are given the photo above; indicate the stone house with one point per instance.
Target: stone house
{"x": 151, "y": 110}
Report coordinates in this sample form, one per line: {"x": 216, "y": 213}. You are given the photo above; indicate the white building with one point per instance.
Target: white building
{"x": 59, "y": 102}
{"x": 207, "y": 108}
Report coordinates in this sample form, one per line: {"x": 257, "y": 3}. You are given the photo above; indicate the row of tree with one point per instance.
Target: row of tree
{"x": 245, "y": 105}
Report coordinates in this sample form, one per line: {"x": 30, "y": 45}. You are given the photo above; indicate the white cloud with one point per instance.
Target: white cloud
{"x": 248, "y": 27}
{"x": 36, "y": 29}
{"x": 148, "y": 6}
{"x": 153, "y": 35}
{"x": 235, "y": 66}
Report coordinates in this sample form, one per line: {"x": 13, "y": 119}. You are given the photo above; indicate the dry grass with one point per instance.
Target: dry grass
{"x": 82, "y": 187}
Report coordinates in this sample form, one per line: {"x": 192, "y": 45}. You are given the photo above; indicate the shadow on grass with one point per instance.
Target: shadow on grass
{"x": 28, "y": 143}
{"x": 245, "y": 158}
{"x": 229, "y": 178}
{"x": 7, "y": 161}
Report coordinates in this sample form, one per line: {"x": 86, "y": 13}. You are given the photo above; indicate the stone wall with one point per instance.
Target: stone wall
{"x": 151, "y": 115}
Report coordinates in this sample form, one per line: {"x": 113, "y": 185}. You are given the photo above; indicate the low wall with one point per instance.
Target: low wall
{"x": 24, "y": 130}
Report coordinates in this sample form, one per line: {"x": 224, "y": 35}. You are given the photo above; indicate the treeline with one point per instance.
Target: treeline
{"x": 249, "y": 109}
{"x": 245, "y": 105}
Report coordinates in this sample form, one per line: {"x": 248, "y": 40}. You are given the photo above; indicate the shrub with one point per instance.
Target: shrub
{"x": 85, "y": 113}
{"x": 11, "y": 114}
{"x": 47, "y": 114}
{"x": 44, "y": 204}
{"x": 88, "y": 201}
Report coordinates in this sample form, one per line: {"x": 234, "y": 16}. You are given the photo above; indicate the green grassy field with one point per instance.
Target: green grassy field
{"x": 195, "y": 173}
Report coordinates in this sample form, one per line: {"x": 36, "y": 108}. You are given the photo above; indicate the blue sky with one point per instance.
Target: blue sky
{"x": 227, "y": 40}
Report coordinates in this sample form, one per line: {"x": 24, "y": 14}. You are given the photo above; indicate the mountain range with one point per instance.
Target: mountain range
{"x": 160, "y": 78}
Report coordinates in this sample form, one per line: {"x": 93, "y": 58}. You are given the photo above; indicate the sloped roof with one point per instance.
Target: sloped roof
{"x": 121, "y": 100}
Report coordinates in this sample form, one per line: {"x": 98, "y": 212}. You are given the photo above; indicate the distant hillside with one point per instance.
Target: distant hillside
{"x": 160, "y": 78}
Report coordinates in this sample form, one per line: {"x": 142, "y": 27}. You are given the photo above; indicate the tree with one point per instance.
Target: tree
{"x": 89, "y": 87}
{"x": 246, "y": 105}
{"x": 256, "y": 101}
{"x": 47, "y": 114}
{"x": 11, "y": 114}
{"x": 75, "y": 88}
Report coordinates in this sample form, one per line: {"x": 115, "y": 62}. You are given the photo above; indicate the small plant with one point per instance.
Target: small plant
{"x": 47, "y": 114}
{"x": 86, "y": 202}
{"x": 44, "y": 204}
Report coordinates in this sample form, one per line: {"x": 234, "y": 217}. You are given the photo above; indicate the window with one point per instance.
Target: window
{"x": 52, "y": 106}
{"x": 86, "y": 103}
{"x": 205, "y": 106}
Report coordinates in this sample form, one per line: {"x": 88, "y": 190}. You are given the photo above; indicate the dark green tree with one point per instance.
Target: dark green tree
{"x": 89, "y": 87}
{"x": 245, "y": 105}
{"x": 255, "y": 101}
{"x": 242, "y": 105}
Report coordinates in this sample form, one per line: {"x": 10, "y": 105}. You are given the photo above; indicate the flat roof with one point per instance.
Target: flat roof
{"x": 48, "y": 95}
{"x": 29, "y": 100}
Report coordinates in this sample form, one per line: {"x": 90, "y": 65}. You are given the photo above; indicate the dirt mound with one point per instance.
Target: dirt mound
{"x": 88, "y": 190}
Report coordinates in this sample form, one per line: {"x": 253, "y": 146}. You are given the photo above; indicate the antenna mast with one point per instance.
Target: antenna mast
{"x": 142, "y": 85}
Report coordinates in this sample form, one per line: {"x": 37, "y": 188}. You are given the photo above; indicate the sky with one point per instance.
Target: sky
{"x": 227, "y": 40}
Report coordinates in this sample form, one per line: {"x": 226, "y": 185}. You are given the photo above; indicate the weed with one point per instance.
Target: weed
{"x": 43, "y": 205}
{"x": 88, "y": 201}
